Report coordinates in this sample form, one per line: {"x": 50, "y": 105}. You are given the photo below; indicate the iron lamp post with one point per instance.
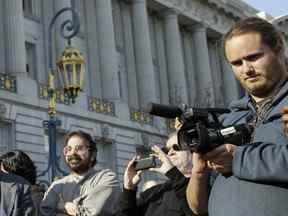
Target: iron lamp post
{"x": 70, "y": 70}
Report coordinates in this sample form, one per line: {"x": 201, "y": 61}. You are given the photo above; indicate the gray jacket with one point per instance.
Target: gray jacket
{"x": 259, "y": 184}
{"x": 15, "y": 199}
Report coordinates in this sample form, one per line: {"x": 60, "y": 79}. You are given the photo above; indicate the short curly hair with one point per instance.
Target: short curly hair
{"x": 19, "y": 163}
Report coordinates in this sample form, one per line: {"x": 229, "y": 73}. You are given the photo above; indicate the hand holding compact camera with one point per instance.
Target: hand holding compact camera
{"x": 145, "y": 163}
{"x": 131, "y": 176}
{"x": 157, "y": 161}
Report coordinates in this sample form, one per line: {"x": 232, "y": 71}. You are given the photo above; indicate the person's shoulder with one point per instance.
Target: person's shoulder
{"x": 103, "y": 172}
{"x": 237, "y": 108}
{"x": 240, "y": 104}
{"x": 10, "y": 177}
{"x": 57, "y": 185}
{"x": 105, "y": 176}
{"x": 59, "y": 182}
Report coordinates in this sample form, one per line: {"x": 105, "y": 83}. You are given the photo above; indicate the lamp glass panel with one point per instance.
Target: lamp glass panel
{"x": 79, "y": 75}
{"x": 60, "y": 75}
{"x": 74, "y": 73}
{"x": 69, "y": 69}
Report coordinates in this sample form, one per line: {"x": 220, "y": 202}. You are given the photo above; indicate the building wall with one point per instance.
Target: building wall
{"x": 137, "y": 51}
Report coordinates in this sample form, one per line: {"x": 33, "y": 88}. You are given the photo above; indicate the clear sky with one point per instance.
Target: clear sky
{"x": 273, "y": 7}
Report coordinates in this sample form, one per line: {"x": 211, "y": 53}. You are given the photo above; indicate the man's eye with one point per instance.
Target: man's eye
{"x": 236, "y": 63}
{"x": 254, "y": 57}
{"x": 80, "y": 148}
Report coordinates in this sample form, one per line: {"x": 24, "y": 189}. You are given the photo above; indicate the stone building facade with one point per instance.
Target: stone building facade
{"x": 136, "y": 51}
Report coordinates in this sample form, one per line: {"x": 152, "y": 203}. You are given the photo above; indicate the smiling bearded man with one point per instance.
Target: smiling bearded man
{"x": 85, "y": 191}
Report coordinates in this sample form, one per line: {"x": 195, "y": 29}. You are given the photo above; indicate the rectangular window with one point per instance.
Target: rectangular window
{"x": 28, "y": 6}
{"x": 31, "y": 60}
{"x": 6, "y": 137}
{"x": 105, "y": 154}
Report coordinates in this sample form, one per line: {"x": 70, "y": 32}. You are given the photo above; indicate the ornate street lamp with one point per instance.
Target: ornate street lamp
{"x": 70, "y": 68}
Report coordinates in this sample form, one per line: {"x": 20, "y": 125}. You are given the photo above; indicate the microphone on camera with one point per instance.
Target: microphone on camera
{"x": 166, "y": 111}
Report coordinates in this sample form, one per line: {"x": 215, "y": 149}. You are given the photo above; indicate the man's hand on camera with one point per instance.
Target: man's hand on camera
{"x": 220, "y": 159}
{"x": 200, "y": 166}
{"x": 166, "y": 163}
{"x": 131, "y": 176}
{"x": 178, "y": 124}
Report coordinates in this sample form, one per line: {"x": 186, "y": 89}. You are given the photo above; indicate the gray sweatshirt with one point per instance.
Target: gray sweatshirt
{"x": 92, "y": 192}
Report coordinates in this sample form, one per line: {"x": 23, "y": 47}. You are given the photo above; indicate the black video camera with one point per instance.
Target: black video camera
{"x": 201, "y": 129}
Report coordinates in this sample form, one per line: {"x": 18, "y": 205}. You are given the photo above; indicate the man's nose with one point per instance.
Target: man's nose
{"x": 170, "y": 152}
{"x": 248, "y": 67}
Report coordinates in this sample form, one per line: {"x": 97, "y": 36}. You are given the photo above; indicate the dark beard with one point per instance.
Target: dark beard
{"x": 80, "y": 166}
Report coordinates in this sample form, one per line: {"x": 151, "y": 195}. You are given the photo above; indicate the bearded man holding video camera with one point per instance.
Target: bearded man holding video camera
{"x": 252, "y": 178}
{"x": 163, "y": 199}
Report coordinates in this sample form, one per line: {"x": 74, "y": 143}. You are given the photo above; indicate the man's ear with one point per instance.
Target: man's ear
{"x": 93, "y": 156}
{"x": 280, "y": 46}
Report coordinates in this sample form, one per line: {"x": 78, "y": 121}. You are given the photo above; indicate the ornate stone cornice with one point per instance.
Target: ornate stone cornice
{"x": 218, "y": 15}
{"x": 235, "y": 8}
{"x": 170, "y": 12}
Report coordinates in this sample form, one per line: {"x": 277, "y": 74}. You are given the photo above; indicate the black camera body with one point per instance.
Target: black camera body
{"x": 145, "y": 163}
{"x": 201, "y": 139}
{"x": 201, "y": 129}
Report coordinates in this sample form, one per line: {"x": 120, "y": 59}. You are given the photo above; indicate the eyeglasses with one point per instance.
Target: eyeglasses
{"x": 175, "y": 147}
{"x": 78, "y": 148}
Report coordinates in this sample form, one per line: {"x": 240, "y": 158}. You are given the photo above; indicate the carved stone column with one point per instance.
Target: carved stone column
{"x": 15, "y": 37}
{"x": 93, "y": 65}
{"x": 231, "y": 90}
{"x": 216, "y": 71}
{"x": 143, "y": 53}
{"x": 188, "y": 48}
{"x": 205, "y": 91}
{"x": 2, "y": 40}
{"x": 133, "y": 95}
{"x": 107, "y": 50}
{"x": 175, "y": 61}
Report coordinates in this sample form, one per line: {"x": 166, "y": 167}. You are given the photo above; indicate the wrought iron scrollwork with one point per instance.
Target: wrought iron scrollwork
{"x": 68, "y": 29}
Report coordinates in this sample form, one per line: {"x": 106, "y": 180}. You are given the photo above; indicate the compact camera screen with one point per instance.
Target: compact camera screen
{"x": 145, "y": 163}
